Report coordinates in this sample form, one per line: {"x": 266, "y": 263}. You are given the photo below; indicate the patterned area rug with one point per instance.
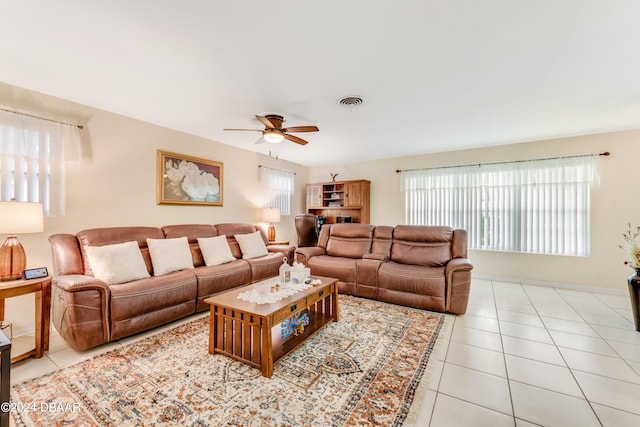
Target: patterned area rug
{"x": 365, "y": 370}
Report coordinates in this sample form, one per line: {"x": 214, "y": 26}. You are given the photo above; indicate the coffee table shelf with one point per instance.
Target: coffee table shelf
{"x": 251, "y": 333}
{"x": 282, "y": 348}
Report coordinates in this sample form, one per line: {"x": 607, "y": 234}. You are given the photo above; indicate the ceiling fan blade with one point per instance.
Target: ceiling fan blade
{"x": 265, "y": 122}
{"x": 295, "y": 139}
{"x": 301, "y": 129}
{"x": 250, "y": 130}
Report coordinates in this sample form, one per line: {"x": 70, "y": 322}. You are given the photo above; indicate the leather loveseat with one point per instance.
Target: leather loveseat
{"x": 88, "y": 312}
{"x": 417, "y": 266}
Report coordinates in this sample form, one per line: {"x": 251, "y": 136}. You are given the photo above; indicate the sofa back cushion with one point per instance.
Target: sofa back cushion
{"x": 231, "y": 229}
{"x": 382, "y": 238}
{"x": 349, "y": 240}
{"x": 192, "y": 232}
{"x": 65, "y": 251}
{"x": 112, "y": 235}
{"x": 323, "y": 237}
{"x": 429, "y": 246}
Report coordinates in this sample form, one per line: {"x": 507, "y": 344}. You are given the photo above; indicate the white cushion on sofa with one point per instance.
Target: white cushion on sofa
{"x": 117, "y": 263}
{"x": 169, "y": 255}
{"x": 251, "y": 245}
{"x": 215, "y": 250}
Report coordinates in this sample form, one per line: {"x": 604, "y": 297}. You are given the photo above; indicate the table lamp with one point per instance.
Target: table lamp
{"x": 17, "y": 218}
{"x": 271, "y": 215}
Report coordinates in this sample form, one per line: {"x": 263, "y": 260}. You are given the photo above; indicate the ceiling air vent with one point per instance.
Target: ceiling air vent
{"x": 350, "y": 101}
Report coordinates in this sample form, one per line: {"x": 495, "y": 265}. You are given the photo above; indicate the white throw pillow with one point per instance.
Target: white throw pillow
{"x": 117, "y": 263}
{"x": 215, "y": 250}
{"x": 251, "y": 245}
{"x": 169, "y": 255}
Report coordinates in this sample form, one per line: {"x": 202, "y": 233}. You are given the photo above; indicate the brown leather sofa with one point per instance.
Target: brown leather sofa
{"x": 87, "y": 312}
{"x": 417, "y": 266}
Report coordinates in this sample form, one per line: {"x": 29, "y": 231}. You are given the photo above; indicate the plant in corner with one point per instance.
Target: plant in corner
{"x": 631, "y": 249}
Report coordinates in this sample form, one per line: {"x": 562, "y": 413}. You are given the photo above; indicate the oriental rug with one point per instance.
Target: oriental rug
{"x": 371, "y": 368}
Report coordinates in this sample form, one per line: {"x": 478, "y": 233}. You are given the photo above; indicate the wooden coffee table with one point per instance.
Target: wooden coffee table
{"x": 250, "y": 332}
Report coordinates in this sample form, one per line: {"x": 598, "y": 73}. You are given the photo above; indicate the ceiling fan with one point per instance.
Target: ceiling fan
{"x": 274, "y": 132}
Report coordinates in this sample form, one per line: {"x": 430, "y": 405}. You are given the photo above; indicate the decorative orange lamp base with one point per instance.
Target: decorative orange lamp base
{"x": 271, "y": 233}
{"x": 13, "y": 259}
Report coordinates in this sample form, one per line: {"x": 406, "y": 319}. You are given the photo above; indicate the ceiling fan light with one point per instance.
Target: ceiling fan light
{"x": 273, "y": 136}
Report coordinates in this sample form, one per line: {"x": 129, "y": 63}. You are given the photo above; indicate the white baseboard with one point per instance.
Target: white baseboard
{"x": 574, "y": 287}
{"x": 21, "y": 331}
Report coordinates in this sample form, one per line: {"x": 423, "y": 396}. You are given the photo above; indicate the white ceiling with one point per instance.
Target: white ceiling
{"x": 435, "y": 75}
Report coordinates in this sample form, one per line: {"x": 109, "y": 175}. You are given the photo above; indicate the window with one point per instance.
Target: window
{"x": 278, "y": 186}
{"x": 32, "y": 160}
{"x": 538, "y": 206}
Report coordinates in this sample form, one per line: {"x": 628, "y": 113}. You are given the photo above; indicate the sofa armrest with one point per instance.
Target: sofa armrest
{"x": 286, "y": 250}
{"x": 458, "y": 264}
{"x": 303, "y": 255}
{"x": 458, "y": 282}
{"x": 376, "y": 256}
{"x": 80, "y": 310}
{"x": 80, "y": 282}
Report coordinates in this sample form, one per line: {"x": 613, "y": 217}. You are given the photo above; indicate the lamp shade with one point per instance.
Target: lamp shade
{"x": 21, "y": 217}
{"x": 271, "y": 215}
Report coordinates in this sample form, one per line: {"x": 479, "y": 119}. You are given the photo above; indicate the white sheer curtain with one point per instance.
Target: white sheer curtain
{"x": 278, "y": 186}
{"x": 32, "y": 157}
{"x": 538, "y": 206}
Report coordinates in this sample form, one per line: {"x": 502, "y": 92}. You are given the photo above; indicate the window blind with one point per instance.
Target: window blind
{"x": 32, "y": 154}
{"x": 538, "y": 206}
{"x": 278, "y": 186}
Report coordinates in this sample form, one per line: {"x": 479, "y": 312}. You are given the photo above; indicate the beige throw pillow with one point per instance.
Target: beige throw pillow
{"x": 117, "y": 263}
{"x": 251, "y": 245}
{"x": 215, "y": 250}
{"x": 169, "y": 255}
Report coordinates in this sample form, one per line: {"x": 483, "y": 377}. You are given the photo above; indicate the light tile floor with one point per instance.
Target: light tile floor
{"x": 522, "y": 355}
{"x": 528, "y": 355}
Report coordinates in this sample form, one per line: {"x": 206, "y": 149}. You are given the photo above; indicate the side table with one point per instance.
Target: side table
{"x": 278, "y": 242}
{"x": 42, "y": 290}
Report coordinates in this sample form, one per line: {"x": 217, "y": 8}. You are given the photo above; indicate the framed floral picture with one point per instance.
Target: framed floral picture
{"x": 186, "y": 180}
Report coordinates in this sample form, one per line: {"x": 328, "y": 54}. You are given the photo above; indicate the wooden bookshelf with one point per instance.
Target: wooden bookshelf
{"x": 338, "y": 200}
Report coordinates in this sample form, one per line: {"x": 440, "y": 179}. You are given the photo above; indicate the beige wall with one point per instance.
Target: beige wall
{"x": 614, "y": 204}
{"x": 116, "y": 184}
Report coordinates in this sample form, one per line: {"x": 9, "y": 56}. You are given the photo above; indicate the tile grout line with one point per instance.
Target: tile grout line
{"x": 607, "y": 341}
{"x": 504, "y": 359}
{"x": 444, "y": 362}
{"x": 619, "y": 356}
{"x": 563, "y": 358}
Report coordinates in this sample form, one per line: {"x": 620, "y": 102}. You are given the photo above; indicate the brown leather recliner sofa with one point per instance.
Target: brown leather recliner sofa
{"x": 88, "y": 312}
{"x": 417, "y": 266}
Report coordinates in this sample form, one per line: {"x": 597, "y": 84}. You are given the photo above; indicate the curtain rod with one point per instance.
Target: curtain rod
{"x": 33, "y": 116}
{"x": 605, "y": 153}
{"x": 274, "y": 169}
